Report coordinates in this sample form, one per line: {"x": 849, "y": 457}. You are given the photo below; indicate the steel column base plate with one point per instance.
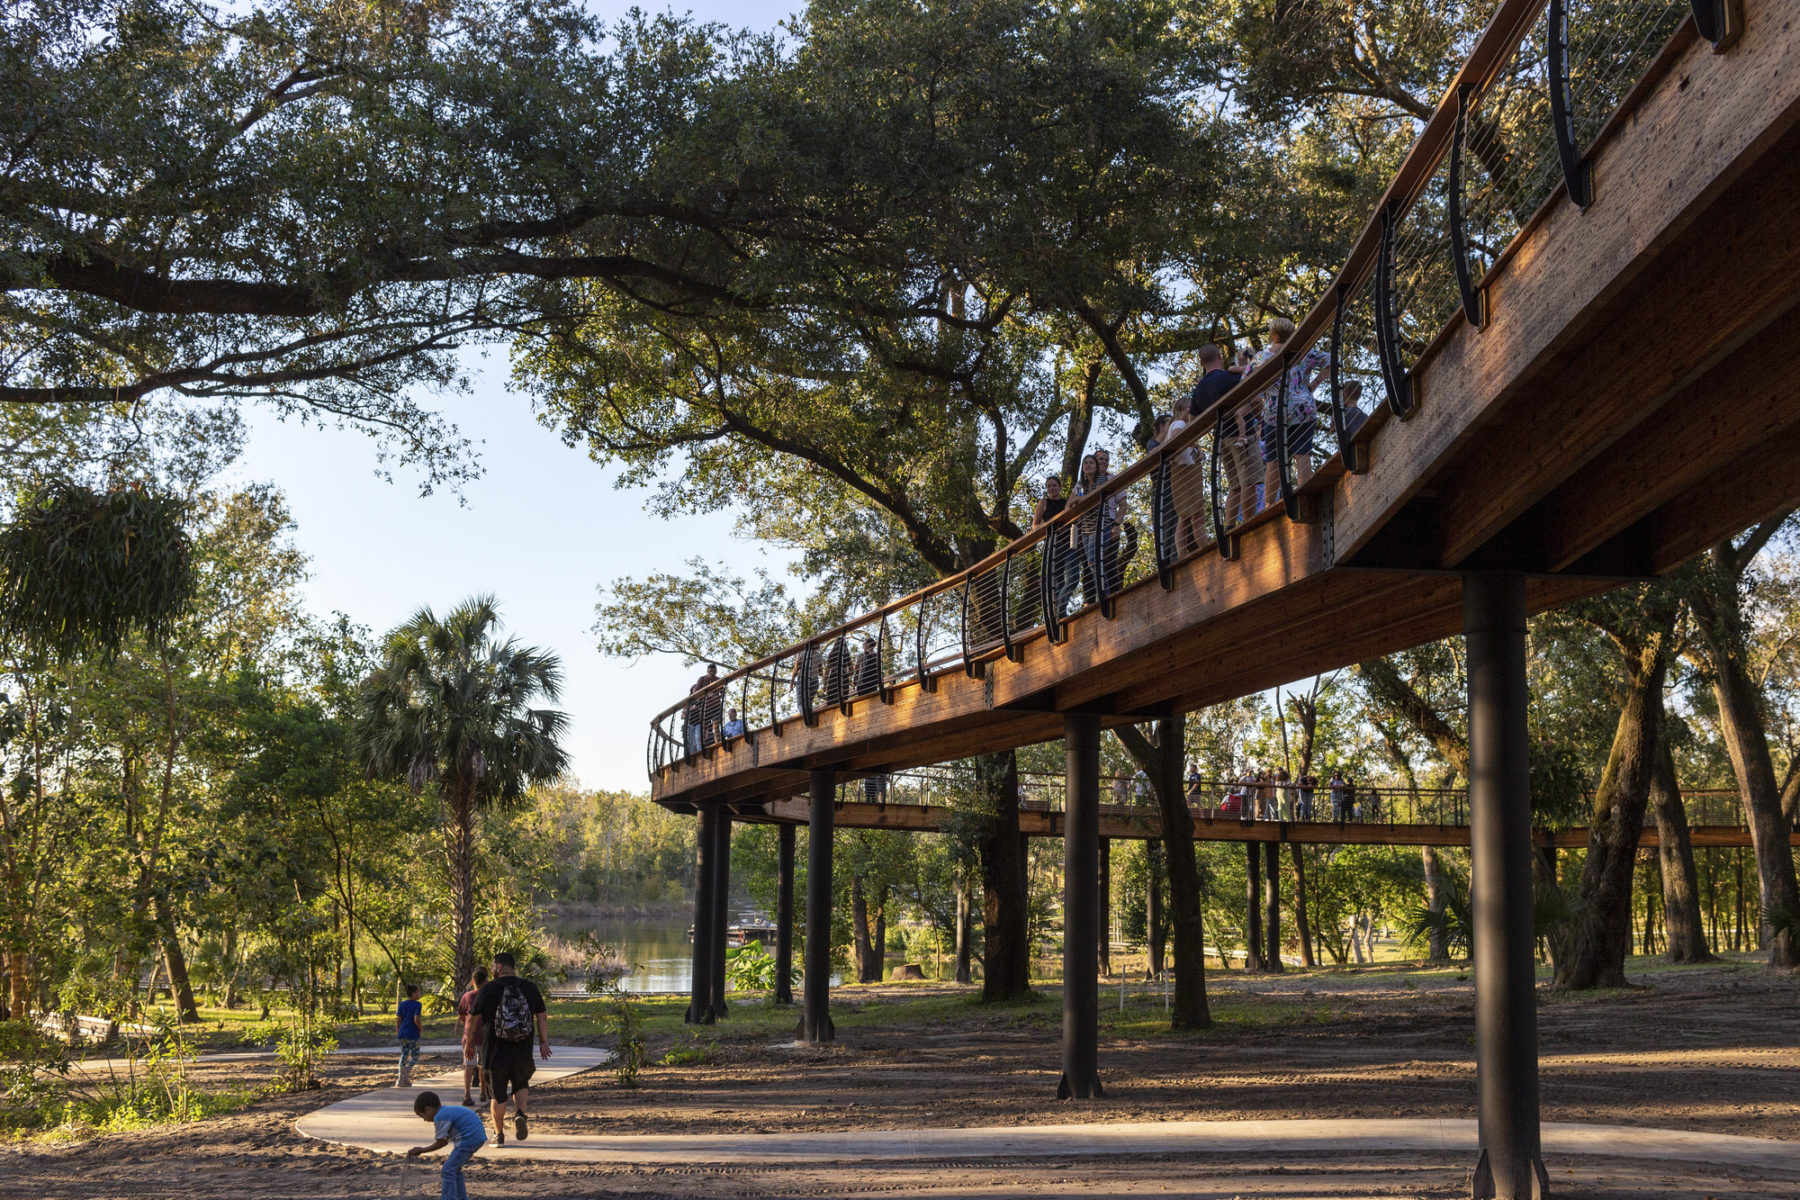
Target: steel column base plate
{"x": 1537, "y": 1180}
{"x": 1092, "y": 1091}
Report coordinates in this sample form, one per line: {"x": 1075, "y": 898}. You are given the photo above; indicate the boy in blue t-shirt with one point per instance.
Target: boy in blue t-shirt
{"x": 411, "y": 1012}
{"x": 454, "y": 1125}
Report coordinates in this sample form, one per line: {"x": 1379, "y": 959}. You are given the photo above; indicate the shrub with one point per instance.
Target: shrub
{"x": 750, "y": 968}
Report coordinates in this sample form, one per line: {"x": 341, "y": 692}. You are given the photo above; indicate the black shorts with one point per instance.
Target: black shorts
{"x": 509, "y": 1071}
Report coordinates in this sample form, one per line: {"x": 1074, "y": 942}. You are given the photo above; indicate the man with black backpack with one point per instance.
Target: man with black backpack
{"x": 510, "y": 1009}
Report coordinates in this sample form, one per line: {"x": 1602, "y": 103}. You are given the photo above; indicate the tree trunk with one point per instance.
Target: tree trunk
{"x": 1591, "y": 948}
{"x": 180, "y": 990}
{"x": 1155, "y": 927}
{"x": 1675, "y": 856}
{"x": 965, "y": 933}
{"x": 355, "y": 970}
{"x": 859, "y": 931}
{"x": 1272, "y": 906}
{"x": 1007, "y": 960}
{"x": 462, "y": 887}
{"x": 1300, "y": 921}
{"x": 228, "y": 951}
{"x": 1162, "y": 763}
{"x": 19, "y": 991}
{"x": 1722, "y": 627}
{"x": 1105, "y": 945}
{"x": 1253, "y": 943}
{"x": 1436, "y": 899}
{"x": 1741, "y": 720}
{"x": 879, "y": 962}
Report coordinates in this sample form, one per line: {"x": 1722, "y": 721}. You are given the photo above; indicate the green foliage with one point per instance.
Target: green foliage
{"x": 299, "y": 1049}
{"x": 83, "y": 571}
{"x": 750, "y": 968}
{"x": 34, "y": 1071}
{"x": 450, "y": 706}
{"x": 694, "y": 1053}
{"x": 627, "y": 1027}
{"x": 1452, "y": 926}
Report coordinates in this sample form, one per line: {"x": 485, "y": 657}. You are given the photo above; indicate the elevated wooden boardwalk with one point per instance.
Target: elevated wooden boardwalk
{"x": 1583, "y": 287}
{"x": 1130, "y": 823}
{"x": 1632, "y": 398}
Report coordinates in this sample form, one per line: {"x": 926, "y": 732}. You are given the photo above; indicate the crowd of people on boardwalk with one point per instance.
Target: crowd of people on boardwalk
{"x": 1254, "y": 442}
{"x": 1090, "y": 557}
{"x": 1265, "y": 794}
{"x": 497, "y": 1020}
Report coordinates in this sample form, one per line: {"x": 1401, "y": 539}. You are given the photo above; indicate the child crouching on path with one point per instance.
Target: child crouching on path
{"x": 454, "y": 1126}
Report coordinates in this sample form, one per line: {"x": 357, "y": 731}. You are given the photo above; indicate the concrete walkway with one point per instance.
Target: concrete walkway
{"x": 383, "y": 1120}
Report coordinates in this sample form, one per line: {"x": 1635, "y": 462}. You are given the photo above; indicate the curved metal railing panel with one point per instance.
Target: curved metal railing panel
{"x": 1442, "y": 227}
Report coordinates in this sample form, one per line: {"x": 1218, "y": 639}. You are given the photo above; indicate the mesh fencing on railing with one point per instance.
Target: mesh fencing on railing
{"x": 1424, "y": 278}
{"x": 1611, "y": 44}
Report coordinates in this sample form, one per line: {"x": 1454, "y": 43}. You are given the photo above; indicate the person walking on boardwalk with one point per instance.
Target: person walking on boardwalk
{"x": 510, "y": 1009}
{"x": 457, "y": 1127}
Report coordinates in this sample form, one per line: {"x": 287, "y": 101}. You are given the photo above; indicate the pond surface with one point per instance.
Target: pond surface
{"x": 656, "y": 947}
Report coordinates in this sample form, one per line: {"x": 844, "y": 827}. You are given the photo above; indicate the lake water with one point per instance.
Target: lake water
{"x": 657, "y": 947}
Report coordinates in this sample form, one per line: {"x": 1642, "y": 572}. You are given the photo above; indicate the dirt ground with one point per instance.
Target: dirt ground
{"x": 1711, "y": 1050}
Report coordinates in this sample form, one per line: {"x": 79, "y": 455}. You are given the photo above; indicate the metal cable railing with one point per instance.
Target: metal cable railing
{"x": 1541, "y": 86}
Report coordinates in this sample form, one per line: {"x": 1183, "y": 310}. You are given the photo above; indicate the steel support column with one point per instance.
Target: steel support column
{"x": 815, "y": 1010}
{"x": 784, "y": 917}
{"x": 699, "y": 1010}
{"x": 1081, "y": 911}
{"x": 721, "y": 897}
{"x": 1511, "y": 1166}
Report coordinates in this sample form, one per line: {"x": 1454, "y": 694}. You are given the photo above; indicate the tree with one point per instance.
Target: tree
{"x": 450, "y": 706}
{"x": 1640, "y": 624}
{"x": 881, "y": 412}
{"x": 1675, "y": 856}
{"x": 1718, "y": 597}
{"x": 1161, "y": 760}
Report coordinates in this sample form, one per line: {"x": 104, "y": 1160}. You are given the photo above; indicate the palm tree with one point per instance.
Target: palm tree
{"x": 449, "y": 705}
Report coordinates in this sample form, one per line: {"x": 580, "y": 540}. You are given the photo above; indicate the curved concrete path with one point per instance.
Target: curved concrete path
{"x": 383, "y": 1120}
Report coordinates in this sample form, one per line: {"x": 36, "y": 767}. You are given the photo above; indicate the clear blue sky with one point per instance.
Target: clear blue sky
{"x": 541, "y": 529}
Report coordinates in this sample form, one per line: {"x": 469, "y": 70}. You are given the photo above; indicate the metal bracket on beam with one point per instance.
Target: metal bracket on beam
{"x": 1387, "y": 324}
{"x": 1225, "y": 543}
{"x": 1720, "y": 22}
{"x": 1576, "y": 175}
{"x": 1474, "y": 299}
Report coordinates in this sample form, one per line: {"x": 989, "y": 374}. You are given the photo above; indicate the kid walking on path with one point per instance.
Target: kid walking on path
{"x": 468, "y": 1029}
{"x": 410, "y": 1012}
{"x": 454, "y": 1125}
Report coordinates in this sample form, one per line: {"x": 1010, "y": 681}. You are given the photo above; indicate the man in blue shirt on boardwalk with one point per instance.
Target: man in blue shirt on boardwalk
{"x": 455, "y": 1126}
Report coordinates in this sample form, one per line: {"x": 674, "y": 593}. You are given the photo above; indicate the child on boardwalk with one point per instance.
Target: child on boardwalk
{"x": 454, "y": 1126}
{"x": 410, "y": 1012}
